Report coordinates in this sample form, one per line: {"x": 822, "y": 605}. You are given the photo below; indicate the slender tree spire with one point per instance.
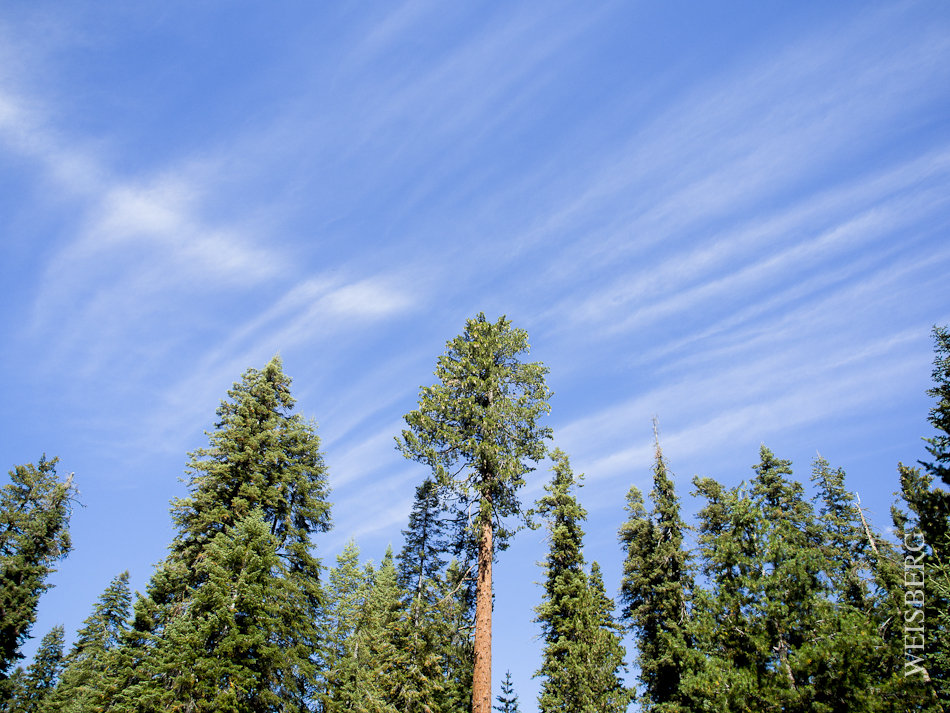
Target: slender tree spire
{"x": 657, "y": 584}
{"x": 583, "y": 656}
{"x": 507, "y": 699}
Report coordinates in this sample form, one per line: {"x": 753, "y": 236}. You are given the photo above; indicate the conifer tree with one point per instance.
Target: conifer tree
{"x": 911, "y": 687}
{"x": 438, "y": 604}
{"x": 846, "y": 548}
{"x": 507, "y": 699}
{"x": 582, "y": 655}
{"x": 938, "y": 516}
{"x": 605, "y": 657}
{"x": 725, "y": 678}
{"x": 344, "y": 598}
{"x": 453, "y": 616}
{"x": 261, "y": 459}
{"x": 85, "y": 666}
{"x": 656, "y": 588}
{"x": 475, "y": 429}
{"x": 383, "y": 684}
{"x": 226, "y": 652}
{"x": 31, "y": 688}
{"x": 792, "y": 595}
{"x": 34, "y": 534}
{"x": 938, "y": 446}
{"x": 926, "y": 529}
{"x": 762, "y": 550}
{"x": 421, "y": 559}
{"x": 845, "y": 658}
{"x": 379, "y": 667}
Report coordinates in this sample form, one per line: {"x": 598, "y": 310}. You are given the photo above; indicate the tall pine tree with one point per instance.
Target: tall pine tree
{"x": 582, "y": 656}
{"x": 475, "y": 429}
{"x": 656, "y": 588}
{"x": 261, "y": 461}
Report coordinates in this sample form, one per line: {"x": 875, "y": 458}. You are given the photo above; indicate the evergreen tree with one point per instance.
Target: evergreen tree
{"x": 926, "y": 529}
{"x": 725, "y": 679}
{"x": 475, "y": 429}
{"x": 846, "y": 549}
{"x": 936, "y": 514}
{"x": 582, "y": 655}
{"x": 86, "y": 664}
{"x": 507, "y": 698}
{"x": 775, "y": 632}
{"x": 34, "y": 534}
{"x": 344, "y": 599}
{"x": 383, "y": 684}
{"x": 261, "y": 459}
{"x": 911, "y": 687}
{"x": 33, "y": 686}
{"x": 791, "y": 596}
{"x": 420, "y": 561}
{"x": 657, "y": 587}
{"x": 438, "y": 607}
{"x": 606, "y": 653}
{"x": 226, "y": 652}
{"x": 938, "y": 446}
{"x": 846, "y": 657}
{"x": 453, "y": 616}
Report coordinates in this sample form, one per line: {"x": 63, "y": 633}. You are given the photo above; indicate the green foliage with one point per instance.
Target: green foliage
{"x": 928, "y": 523}
{"x": 259, "y": 489}
{"x": 34, "y": 534}
{"x": 450, "y": 625}
{"x": 656, "y": 589}
{"x": 939, "y": 417}
{"x": 226, "y": 651}
{"x": 421, "y": 558}
{"x": 260, "y": 457}
{"x": 438, "y": 615}
{"x": 507, "y": 699}
{"x": 380, "y": 655}
{"x": 804, "y": 613}
{"x": 761, "y": 551}
{"x": 582, "y": 656}
{"x": 344, "y": 599}
{"x": 475, "y": 429}
{"x": 86, "y": 665}
{"x": 477, "y": 426}
{"x": 32, "y": 688}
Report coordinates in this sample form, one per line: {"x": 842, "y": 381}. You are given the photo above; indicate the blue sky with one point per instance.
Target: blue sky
{"x": 732, "y": 217}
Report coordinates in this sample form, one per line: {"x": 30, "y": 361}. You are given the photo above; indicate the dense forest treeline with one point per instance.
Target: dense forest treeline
{"x": 772, "y": 601}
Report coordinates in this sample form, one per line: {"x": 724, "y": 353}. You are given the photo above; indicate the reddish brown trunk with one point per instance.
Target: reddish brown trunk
{"x": 481, "y": 682}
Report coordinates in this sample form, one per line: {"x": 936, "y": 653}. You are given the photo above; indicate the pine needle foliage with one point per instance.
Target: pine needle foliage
{"x": 475, "y": 429}
{"x": 656, "y": 588}
{"x": 926, "y": 529}
{"x": 32, "y": 687}
{"x": 34, "y": 534}
{"x": 507, "y": 699}
{"x": 260, "y": 487}
{"x": 86, "y": 664}
{"x": 583, "y": 658}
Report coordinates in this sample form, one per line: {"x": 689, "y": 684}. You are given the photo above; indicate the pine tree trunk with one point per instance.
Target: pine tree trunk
{"x": 481, "y": 683}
